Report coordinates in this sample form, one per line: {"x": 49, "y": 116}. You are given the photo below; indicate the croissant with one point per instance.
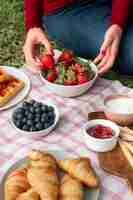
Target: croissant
{"x": 80, "y": 169}
{"x": 42, "y": 175}
{"x": 16, "y": 183}
{"x": 29, "y": 195}
{"x": 71, "y": 189}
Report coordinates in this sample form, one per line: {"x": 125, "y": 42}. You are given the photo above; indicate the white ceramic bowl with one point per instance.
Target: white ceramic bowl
{"x": 41, "y": 133}
{"x": 71, "y": 91}
{"x": 122, "y": 114}
{"x": 101, "y": 145}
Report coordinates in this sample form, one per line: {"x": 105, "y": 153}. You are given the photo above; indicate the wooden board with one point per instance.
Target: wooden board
{"x": 100, "y": 115}
{"x": 96, "y": 115}
{"x": 114, "y": 162}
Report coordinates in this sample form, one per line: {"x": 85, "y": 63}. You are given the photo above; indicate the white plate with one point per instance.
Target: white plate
{"x": 23, "y": 93}
{"x": 41, "y": 133}
{"x": 90, "y": 194}
{"x": 70, "y": 91}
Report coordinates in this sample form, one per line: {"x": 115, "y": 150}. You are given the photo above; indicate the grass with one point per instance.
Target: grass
{"x": 12, "y": 37}
{"x": 11, "y": 32}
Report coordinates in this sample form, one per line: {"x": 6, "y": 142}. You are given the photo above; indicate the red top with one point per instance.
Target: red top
{"x": 34, "y": 9}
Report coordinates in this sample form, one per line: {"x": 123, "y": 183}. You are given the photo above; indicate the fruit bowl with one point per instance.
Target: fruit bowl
{"x": 25, "y": 121}
{"x": 71, "y": 90}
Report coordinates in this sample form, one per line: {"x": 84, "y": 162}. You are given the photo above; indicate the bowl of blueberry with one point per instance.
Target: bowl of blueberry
{"x": 35, "y": 117}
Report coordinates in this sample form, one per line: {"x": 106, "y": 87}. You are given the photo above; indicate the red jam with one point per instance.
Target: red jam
{"x": 101, "y": 132}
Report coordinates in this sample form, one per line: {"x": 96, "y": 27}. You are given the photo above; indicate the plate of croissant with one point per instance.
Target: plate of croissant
{"x": 44, "y": 176}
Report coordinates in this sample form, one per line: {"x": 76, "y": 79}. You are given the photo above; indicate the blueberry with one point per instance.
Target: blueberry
{"x": 44, "y": 108}
{"x": 38, "y": 110}
{"x": 36, "y": 104}
{"x": 18, "y": 113}
{"x": 32, "y": 110}
{"x": 51, "y": 122}
{"x": 24, "y": 120}
{"x": 46, "y": 119}
{"x": 26, "y": 113}
{"x": 15, "y": 115}
{"x": 40, "y": 104}
{"x": 42, "y": 119}
{"x": 29, "y": 122}
{"x": 39, "y": 126}
{"x": 43, "y": 115}
{"x": 32, "y": 102}
{"x": 50, "y": 109}
{"x": 18, "y": 124}
{"x": 19, "y": 116}
{"x": 49, "y": 118}
{"x": 25, "y": 128}
{"x": 51, "y": 115}
{"x": 46, "y": 125}
{"x": 52, "y": 118}
{"x": 20, "y": 110}
{"x": 30, "y": 116}
{"x": 37, "y": 115}
{"x": 37, "y": 119}
{"x": 25, "y": 104}
{"x": 27, "y": 110}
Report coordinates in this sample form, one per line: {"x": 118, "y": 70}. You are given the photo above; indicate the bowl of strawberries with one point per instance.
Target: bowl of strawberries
{"x": 67, "y": 75}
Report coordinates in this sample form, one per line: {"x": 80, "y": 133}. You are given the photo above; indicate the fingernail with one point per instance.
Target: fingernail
{"x": 103, "y": 52}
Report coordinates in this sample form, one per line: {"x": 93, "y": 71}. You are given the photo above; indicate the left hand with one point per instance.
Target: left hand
{"x": 109, "y": 49}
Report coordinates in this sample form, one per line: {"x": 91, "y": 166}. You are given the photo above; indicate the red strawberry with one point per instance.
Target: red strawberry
{"x": 82, "y": 78}
{"x": 47, "y": 61}
{"x": 70, "y": 82}
{"x": 56, "y": 70}
{"x": 78, "y": 68}
{"x": 51, "y": 76}
{"x": 66, "y": 57}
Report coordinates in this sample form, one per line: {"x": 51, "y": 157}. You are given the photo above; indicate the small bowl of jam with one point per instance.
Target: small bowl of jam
{"x": 101, "y": 135}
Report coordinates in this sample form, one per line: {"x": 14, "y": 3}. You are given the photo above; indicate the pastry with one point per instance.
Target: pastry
{"x": 16, "y": 183}
{"x": 42, "y": 175}
{"x": 9, "y": 88}
{"x": 3, "y": 75}
{"x": 80, "y": 168}
{"x": 71, "y": 189}
{"x": 127, "y": 149}
{"x": 29, "y": 195}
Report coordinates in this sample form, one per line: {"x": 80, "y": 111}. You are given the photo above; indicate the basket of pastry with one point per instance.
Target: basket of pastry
{"x": 45, "y": 177}
{"x": 9, "y": 86}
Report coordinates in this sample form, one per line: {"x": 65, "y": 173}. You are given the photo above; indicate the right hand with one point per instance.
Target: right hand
{"x": 35, "y": 36}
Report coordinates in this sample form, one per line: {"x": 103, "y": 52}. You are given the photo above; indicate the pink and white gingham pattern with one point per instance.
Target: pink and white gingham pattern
{"x": 67, "y": 136}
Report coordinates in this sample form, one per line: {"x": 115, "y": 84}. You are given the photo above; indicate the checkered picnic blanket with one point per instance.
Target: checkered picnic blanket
{"x": 67, "y": 137}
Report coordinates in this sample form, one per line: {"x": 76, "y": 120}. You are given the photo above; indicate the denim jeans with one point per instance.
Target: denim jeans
{"x": 81, "y": 27}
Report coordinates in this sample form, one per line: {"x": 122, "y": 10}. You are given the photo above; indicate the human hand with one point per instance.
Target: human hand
{"x": 35, "y": 36}
{"x": 109, "y": 49}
